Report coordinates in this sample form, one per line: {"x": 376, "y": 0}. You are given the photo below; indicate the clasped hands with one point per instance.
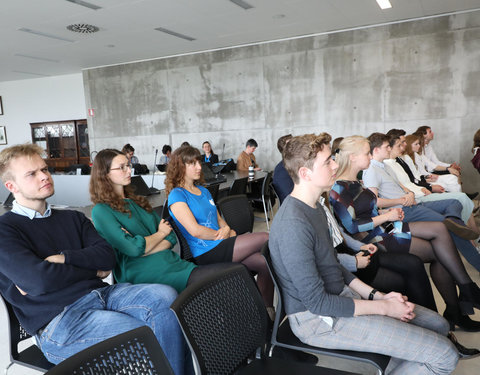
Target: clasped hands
{"x": 397, "y": 306}
{"x": 224, "y": 233}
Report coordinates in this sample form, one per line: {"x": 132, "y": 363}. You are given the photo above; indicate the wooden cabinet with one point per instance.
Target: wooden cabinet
{"x": 65, "y": 142}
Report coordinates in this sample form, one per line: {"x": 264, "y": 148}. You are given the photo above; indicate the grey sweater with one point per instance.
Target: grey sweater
{"x": 306, "y": 263}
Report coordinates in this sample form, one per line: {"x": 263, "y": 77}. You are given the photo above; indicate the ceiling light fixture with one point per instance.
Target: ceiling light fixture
{"x": 83, "y": 28}
{"x": 242, "y": 4}
{"x": 33, "y": 74}
{"x": 39, "y": 33}
{"x": 85, "y": 4}
{"x": 174, "y": 33}
{"x": 384, "y": 4}
{"x": 36, "y": 58}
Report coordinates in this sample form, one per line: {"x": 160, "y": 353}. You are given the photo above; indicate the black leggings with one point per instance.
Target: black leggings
{"x": 404, "y": 273}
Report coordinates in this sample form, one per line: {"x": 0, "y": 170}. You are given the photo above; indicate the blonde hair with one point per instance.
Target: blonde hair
{"x": 7, "y": 155}
{"x": 348, "y": 146}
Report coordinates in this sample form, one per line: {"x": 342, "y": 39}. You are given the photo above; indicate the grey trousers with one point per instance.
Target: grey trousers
{"x": 418, "y": 347}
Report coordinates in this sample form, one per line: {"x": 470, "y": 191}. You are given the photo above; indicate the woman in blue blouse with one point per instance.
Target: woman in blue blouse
{"x": 209, "y": 237}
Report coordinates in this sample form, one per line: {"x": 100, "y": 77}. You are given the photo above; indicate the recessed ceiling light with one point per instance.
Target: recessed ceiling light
{"x": 33, "y": 74}
{"x": 83, "y": 28}
{"x": 85, "y": 4}
{"x": 40, "y": 33}
{"x": 384, "y": 4}
{"x": 242, "y": 4}
{"x": 174, "y": 33}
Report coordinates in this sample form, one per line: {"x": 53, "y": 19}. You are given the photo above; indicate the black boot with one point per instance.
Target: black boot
{"x": 455, "y": 318}
{"x": 469, "y": 297}
{"x": 464, "y": 353}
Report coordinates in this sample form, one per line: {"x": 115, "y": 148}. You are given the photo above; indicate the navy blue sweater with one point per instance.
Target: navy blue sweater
{"x": 25, "y": 243}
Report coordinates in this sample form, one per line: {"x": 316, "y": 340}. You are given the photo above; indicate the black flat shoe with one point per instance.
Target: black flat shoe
{"x": 463, "y": 352}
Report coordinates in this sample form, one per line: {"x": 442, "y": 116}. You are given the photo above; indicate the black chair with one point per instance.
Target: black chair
{"x": 213, "y": 189}
{"x": 31, "y": 357}
{"x": 185, "y": 252}
{"x": 237, "y": 212}
{"x": 265, "y": 198}
{"x": 283, "y": 336}
{"x": 133, "y": 352}
{"x": 239, "y": 186}
{"x": 225, "y": 322}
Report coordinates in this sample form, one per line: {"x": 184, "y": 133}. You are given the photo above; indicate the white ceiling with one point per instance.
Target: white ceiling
{"x": 127, "y": 28}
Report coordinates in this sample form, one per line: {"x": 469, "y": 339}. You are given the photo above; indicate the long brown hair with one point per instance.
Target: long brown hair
{"x": 410, "y": 139}
{"x": 176, "y": 167}
{"x": 101, "y": 188}
{"x": 476, "y": 139}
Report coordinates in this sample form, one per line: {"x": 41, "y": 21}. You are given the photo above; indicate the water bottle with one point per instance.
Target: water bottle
{"x": 251, "y": 172}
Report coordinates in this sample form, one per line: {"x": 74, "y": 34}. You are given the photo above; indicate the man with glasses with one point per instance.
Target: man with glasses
{"x": 52, "y": 263}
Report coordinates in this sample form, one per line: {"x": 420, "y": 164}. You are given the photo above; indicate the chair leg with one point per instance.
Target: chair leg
{"x": 6, "y": 368}
{"x": 265, "y": 211}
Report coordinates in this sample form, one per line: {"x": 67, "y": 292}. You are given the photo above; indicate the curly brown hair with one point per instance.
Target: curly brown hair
{"x": 176, "y": 167}
{"x": 101, "y": 189}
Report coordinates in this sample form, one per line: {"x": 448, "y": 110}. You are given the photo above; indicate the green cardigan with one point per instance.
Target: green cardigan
{"x": 164, "y": 267}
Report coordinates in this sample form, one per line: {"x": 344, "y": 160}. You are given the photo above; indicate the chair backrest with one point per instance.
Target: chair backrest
{"x": 239, "y": 186}
{"x": 32, "y": 356}
{"x": 185, "y": 252}
{"x": 237, "y": 212}
{"x": 213, "y": 189}
{"x": 224, "y": 320}
{"x": 133, "y": 352}
{"x": 266, "y": 185}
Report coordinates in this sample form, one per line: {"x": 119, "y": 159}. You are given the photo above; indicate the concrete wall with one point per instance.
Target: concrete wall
{"x": 37, "y": 100}
{"x": 357, "y": 82}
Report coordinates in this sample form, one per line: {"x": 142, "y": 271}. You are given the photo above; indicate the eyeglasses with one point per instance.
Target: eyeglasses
{"x": 123, "y": 167}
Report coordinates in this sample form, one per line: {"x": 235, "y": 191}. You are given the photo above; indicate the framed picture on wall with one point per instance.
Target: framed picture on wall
{"x": 1, "y": 106}
{"x": 3, "y": 135}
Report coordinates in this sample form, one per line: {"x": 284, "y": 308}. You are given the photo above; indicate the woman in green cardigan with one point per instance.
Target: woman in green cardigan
{"x": 142, "y": 241}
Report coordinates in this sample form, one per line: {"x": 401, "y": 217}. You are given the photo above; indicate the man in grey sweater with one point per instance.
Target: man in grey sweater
{"x": 326, "y": 305}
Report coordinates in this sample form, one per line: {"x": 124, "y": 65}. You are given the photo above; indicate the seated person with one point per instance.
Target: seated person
{"x": 326, "y": 305}
{"x": 247, "y": 158}
{"x": 129, "y": 151}
{"x": 143, "y": 242}
{"x": 475, "y": 150}
{"x": 355, "y": 208}
{"x": 166, "y": 151}
{"x": 397, "y": 167}
{"x": 50, "y": 262}
{"x": 414, "y": 159}
{"x": 391, "y": 193}
{"x": 433, "y": 164}
{"x": 209, "y": 156}
{"x": 282, "y": 182}
{"x": 209, "y": 237}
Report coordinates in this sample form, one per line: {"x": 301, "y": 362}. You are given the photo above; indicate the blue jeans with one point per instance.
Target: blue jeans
{"x": 109, "y": 311}
{"x": 437, "y": 211}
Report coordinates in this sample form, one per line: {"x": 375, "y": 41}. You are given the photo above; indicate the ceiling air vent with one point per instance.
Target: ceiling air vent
{"x": 83, "y": 28}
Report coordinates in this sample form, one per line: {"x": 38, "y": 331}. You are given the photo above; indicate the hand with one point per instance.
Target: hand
{"x": 21, "y": 291}
{"x": 432, "y": 178}
{"x": 257, "y": 169}
{"x": 395, "y": 214}
{"x": 164, "y": 227}
{"x": 223, "y": 233}
{"x": 453, "y": 171}
{"x": 456, "y": 166}
{"x": 409, "y": 199}
{"x": 57, "y": 258}
{"x": 232, "y": 233}
{"x": 438, "y": 189}
{"x": 399, "y": 310}
{"x": 103, "y": 274}
{"x": 426, "y": 191}
{"x": 362, "y": 260}
{"x": 369, "y": 247}
{"x": 126, "y": 231}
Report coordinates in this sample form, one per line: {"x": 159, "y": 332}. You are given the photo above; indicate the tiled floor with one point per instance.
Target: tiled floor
{"x": 465, "y": 367}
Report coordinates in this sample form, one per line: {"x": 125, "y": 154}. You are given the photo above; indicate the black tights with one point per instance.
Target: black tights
{"x": 432, "y": 243}
{"x": 404, "y": 273}
{"x": 247, "y": 251}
